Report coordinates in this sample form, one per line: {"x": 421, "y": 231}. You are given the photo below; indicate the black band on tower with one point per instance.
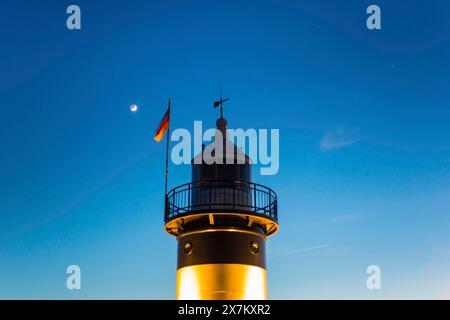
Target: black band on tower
{"x": 238, "y": 247}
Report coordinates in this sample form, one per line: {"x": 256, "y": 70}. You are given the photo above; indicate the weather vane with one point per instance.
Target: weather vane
{"x": 220, "y": 102}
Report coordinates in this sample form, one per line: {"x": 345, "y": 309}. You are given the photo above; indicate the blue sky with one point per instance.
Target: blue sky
{"x": 364, "y": 140}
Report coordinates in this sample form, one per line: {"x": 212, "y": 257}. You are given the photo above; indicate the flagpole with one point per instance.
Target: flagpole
{"x": 167, "y": 151}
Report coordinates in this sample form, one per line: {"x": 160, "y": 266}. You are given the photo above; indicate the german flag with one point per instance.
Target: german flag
{"x": 163, "y": 126}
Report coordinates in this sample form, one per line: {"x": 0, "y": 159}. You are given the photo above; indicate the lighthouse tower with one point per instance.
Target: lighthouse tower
{"x": 221, "y": 221}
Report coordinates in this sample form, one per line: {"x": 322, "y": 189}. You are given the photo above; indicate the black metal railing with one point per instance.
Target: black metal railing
{"x": 221, "y": 196}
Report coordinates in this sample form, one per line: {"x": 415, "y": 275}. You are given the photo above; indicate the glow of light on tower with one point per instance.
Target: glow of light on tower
{"x": 255, "y": 284}
{"x": 188, "y": 285}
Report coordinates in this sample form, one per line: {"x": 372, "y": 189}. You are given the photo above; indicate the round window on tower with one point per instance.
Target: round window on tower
{"x": 254, "y": 247}
{"x": 188, "y": 247}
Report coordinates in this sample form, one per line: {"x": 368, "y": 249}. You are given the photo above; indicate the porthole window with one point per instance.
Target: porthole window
{"x": 188, "y": 247}
{"x": 254, "y": 247}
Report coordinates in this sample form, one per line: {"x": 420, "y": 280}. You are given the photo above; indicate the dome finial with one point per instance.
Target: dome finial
{"x": 221, "y": 125}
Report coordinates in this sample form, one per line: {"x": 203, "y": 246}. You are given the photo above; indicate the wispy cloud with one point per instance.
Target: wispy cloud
{"x": 337, "y": 139}
{"x": 299, "y": 250}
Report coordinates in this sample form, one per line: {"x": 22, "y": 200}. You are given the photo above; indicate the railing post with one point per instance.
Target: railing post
{"x": 254, "y": 197}
{"x": 189, "y": 196}
{"x": 234, "y": 199}
{"x": 275, "y": 206}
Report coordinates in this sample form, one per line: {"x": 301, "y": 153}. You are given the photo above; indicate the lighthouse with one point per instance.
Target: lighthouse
{"x": 221, "y": 221}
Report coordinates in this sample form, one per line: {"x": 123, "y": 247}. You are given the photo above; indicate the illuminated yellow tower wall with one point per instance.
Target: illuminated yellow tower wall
{"x": 221, "y": 221}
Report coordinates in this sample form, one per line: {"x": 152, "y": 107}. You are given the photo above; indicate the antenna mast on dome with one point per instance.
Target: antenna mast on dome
{"x": 220, "y": 102}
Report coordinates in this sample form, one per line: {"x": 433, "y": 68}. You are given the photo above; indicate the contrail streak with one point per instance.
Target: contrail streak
{"x": 299, "y": 250}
